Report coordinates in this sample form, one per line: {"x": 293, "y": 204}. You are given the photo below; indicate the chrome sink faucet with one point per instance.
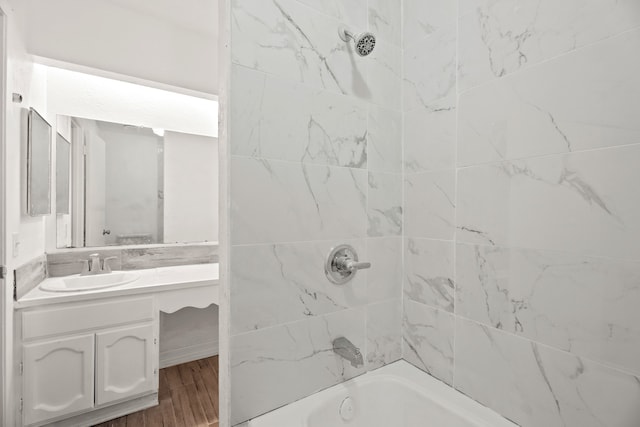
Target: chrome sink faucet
{"x": 345, "y": 349}
{"x": 94, "y": 265}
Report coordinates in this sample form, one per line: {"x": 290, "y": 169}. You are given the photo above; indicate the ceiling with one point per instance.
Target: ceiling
{"x": 196, "y": 15}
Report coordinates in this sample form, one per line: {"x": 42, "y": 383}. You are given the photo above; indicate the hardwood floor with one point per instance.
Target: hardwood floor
{"x": 188, "y": 396}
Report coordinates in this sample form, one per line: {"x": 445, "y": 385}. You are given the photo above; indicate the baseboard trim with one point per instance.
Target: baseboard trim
{"x": 100, "y": 415}
{"x": 188, "y": 354}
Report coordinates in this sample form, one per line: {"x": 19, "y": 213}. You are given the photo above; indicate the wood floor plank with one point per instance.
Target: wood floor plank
{"x": 196, "y": 406}
{"x": 136, "y": 419}
{"x": 206, "y": 400}
{"x": 153, "y": 417}
{"x": 168, "y": 413}
{"x": 163, "y": 384}
{"x": 210, "y": 382}
{"x": 182, "y": 408}
{"x": 173, "y": 377}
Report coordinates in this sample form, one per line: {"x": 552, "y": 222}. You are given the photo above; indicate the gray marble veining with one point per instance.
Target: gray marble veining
{"x": 429, "y": 204}
{"x": 535, "y": 385}
{"x": 281, "y": 283}
{"x": 384, "y": 333}
{"x": 428, "y": 338}
{"x": 584, "y": 305}
{"x": 574, "y": 103}
{"x": 270, "y": 363}
{"x": 322, "y": 127}
{"x": 554, "y": 203}
{"x": 429, "y": 272}
{"x": 384, "y": 204}
{"x": 500, "y": 37}
{"x": 65, "y": 263}
{"x": 282, "y": 201}
{"x": 29, "y": 275}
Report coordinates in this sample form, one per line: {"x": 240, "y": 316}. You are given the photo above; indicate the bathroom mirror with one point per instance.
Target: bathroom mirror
{"x": 38, "y": 165}
{"x": 133, "y": 185}
{"x": 63, "y": 175}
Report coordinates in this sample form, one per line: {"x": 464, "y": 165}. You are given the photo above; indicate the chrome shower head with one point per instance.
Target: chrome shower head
{"x": 364, "y": 42}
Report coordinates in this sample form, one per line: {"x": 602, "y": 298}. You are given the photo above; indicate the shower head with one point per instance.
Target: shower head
{"x": 364, "y": 42}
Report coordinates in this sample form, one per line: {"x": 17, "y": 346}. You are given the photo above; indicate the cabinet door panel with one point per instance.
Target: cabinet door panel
{"x": 58, "y": 377}
{"x": 125, "y": 363}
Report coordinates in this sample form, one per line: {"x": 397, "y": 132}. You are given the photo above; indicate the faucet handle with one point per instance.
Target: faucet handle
{"x": 342, "y": 264}
{"x": 106, "y": 265}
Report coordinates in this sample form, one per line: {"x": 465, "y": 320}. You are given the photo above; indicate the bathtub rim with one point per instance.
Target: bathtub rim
{"x": 295, "y": 413}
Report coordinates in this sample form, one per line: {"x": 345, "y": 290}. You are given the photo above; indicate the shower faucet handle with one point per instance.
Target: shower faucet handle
{"x": 349, "y": 264}
{"x": 342, "y": 264}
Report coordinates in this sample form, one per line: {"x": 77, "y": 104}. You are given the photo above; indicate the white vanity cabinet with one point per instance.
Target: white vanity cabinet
{"x": 124, "y": 363}
{"x": 58, "y": 377}
{"x": 87, "y": 357}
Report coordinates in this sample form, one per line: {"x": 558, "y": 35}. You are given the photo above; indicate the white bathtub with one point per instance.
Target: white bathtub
{"x": 397, "y": 395}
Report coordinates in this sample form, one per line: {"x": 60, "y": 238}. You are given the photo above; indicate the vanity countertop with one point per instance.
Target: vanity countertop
{"x": 150, "y": 280}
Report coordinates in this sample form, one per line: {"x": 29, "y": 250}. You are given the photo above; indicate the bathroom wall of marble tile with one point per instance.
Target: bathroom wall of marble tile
{"x": 316, "y": 161}
{"x": 521, "y": 145}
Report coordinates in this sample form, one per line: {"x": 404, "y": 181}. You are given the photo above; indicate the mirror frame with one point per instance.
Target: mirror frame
{"x": 31, "y": 209}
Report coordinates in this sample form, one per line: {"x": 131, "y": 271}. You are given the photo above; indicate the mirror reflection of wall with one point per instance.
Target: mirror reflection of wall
{"x": 134, "y": 185}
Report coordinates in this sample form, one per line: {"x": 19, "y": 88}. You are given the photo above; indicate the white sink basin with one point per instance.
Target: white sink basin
{"x": 89, "y": 283}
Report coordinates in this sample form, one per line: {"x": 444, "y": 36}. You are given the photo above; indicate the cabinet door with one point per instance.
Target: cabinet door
{"x": 58, "y": 378}
{"x": 125, "y": 363}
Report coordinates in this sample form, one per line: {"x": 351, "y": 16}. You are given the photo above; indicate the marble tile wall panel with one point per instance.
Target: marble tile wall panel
{"x": 429, "y": 70}
{"x": 535, "y": 385}
{"x": 384, "y": 75}
{"x": 429, "y": 204}
{"x": 384, "y": 204}
{"x": 273, "y": 284}
{"x": 422, "y": 18}
{"x": 353, "y": 12}
{"x": 291, "y": 40}
{"x": 316, "y": 161}
{"x": 429, "y": 272}
{"x": 321, "y": 127}
{"x": 281, "y": 201}
{"x": 584, "y": 305}
{"x": 527, "y": 111}
{"x": 268, "y": 366}
{"x": 29, "y": 275}
{"x": 428, "y": 339}
{"x": 430, "y": 137}
{"x": 384, "y": 133}
{"x": 385, "y": 20}
{"x": 384, "y": 278}
{"x": 584, "y": 100}
{"x": 580, "y": 202}
{"x": 384, "y": 335}
{"x": 497, "y": 38}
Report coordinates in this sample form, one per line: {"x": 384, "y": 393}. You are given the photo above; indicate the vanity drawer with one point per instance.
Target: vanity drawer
{"x": 85, "y": 316}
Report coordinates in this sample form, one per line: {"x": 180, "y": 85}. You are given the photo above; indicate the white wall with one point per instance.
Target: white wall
{"x": 190, "y": 188}
{"x": 128, "y": 38}
{"x": 22, "y": 78}
{"x": 188, "y": 334}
